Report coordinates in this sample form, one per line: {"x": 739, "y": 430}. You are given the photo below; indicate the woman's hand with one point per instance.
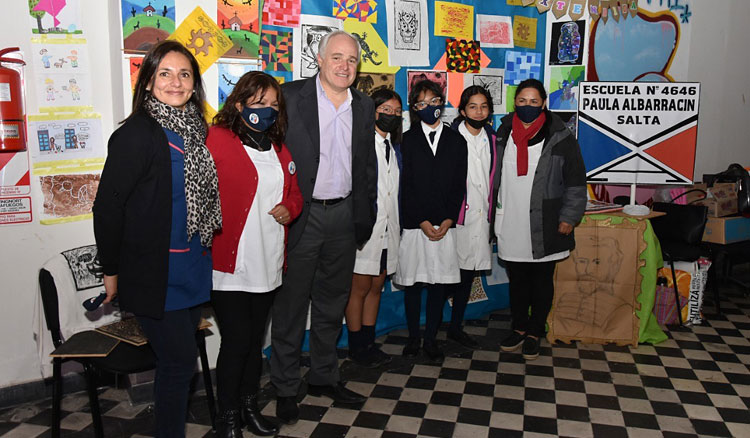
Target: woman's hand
{"x": 429, "y": 230}
{"x": 110, "y": 287}
{"x": 565, "y": 228}
{"x": 444, "y": 227}
{"x": 281, "y": 214}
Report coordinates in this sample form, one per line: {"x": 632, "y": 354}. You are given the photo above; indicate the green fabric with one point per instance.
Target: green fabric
{"x": 649, "y": 330}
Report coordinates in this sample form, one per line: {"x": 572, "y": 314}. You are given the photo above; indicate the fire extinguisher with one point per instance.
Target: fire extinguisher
{"x": 12, "y": 128}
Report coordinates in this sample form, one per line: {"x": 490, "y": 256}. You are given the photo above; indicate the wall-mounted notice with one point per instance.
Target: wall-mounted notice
{"x": 638, "y": 132}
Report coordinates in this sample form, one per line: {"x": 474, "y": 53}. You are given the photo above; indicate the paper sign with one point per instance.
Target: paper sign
{"x": 633, "y": 8}
{"x": 560, "y": 8}
{"x": 577, "y": 8}
{"x": 524, "y": 31}
{"x": 202, "y": 37}
{"x": 543, "y": 5}
{"x": 454, "y": 20}
{"x": 495, "y": 31}
{"x": 594, "y": 9}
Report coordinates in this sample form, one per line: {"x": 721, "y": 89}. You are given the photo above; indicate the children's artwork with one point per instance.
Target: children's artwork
{"x": 361, "y": 10}
{"x": 563, "y": 87}
{"x": 55, "y": 17}
{"x": 203, "y": 37}
{"x": 276, "y": 50}
{"x": 374, "y": 57}
{"x": 134, "y": 64}
{"x": 61, "y": 72}
{"x": 60, "y": 55}
{"x": 462, "y": 56}
{"x": 57, "y": 137}
{"x": 408, "y": 39}
{"x": 282, "y": 12}
{"x": 570, "y": 118}
{"x": 369, "y": 83}
{"x": 241, "y": 23}
{"x": 454, "y": 20}
{"x": 229, "y": 74}
{"x": 145, "y": 23}
{"x": 495, "y": 31}
{"x": 456, "y": 80}
{"x": 84, "y": 267}
{"x": 510, "y": 98}
{"x": 524, "y": 31}
{"x": 491, "y": 79}
{"x": 522, "y": 65}
{"x": 567, "y": 43}
{"x": 415, "y": 76}
{"x": 67, "y": 198}
{"x": 306, "y": 41}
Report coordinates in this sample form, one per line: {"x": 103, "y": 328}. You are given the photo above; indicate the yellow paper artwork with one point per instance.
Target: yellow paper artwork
{"x": 524, "y": 31}
{"x": 374, "y": 51}
{"x": 454, "y": 20}
{"x": 200, "y": 34}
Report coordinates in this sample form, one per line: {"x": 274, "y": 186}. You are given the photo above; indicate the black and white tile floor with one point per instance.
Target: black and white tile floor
{"x": 697, "y": 383}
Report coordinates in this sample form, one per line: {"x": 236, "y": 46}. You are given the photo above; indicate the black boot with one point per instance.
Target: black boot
{"x": 255, "y": 422}
{"x": 228, "y": 425}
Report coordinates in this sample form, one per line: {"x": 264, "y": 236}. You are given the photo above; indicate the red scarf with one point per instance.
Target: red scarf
{"x": 521, "y": 136}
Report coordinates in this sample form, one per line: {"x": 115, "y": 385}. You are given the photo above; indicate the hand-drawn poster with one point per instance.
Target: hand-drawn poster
{"x": 282, "y": 12}
{"x": 374, "y": 57}
{"x": 241, "y": 23}
{"x": 563, "y": 87}
{"x": 134, "y": 64}
{"x": 58, "y": 137}
{"x": 62, "y": 73}
{"x": 567, "y": 43}
{"x": 145, "y": 23}
{"x": 524, "y": 31}
{"x": 522, "y": 65}
{"x": 491, "y": 79}
{"x": 408, "y": 38}
{"x": 439, "y": 77}
{"x": 67, "y": 198}
{"x": 454, "y": 20}
{"x": 306, "y": 41}
{"x": 276, "y": 50}
{"x": 369, "y": 83}
{"x": 360, "y": 10}
{"x": 55, "y": 17}
{"x": 229, "y": 74}
{"x": 495, "y": 31}
{"x": 203, "y": 37}
{"x": 638, "y": 132}
{"x": 85, "y": 267}
{"x": 462, "y": 56}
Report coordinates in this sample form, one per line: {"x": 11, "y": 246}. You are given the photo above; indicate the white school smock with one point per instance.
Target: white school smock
{"x": 386, "y": 233}
{"x": 473, "y": 237}
{"x": 512, "y": 226}
{"x": 260, "y": 252}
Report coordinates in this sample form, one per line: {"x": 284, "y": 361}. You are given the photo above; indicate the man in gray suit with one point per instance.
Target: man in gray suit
{"x": 331, "y": 138}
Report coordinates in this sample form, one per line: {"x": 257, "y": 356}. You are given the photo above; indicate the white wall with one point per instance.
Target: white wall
{"x": 719, "y": 59}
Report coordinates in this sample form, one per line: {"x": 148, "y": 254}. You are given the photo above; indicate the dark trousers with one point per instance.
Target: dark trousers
{"x": 242, "y": 318}
{"x": 460, "y": 292}
{"x": 433, "y": 312}
{"x": 318, "y": 276}
{"x": 531, "y": 285}
{"x": 173, "y": 340}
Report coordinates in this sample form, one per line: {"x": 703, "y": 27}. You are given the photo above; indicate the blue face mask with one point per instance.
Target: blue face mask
{"x": 430, "y": 114}
{"x": 528, "y": 113}
{"x": 259, "y": 119}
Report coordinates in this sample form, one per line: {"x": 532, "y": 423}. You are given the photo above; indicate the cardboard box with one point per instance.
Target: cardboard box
{"x": 721, "y": 198}
{"x": 727, "y": 229}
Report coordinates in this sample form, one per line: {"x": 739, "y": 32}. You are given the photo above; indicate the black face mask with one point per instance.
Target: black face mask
{"x": 476, "y": 124}
{"x": 528, "y": 113}
{"x": 388, "y": 122}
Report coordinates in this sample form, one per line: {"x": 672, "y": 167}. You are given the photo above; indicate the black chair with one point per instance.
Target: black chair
{"x": 680, "y": 233}
{"x": 124, "y": 359}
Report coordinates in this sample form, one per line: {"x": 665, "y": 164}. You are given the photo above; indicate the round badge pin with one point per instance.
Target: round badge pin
{"x": 292, "y": 167}
{"x": 253, "y": 118}
{"x": 437, "y": 113}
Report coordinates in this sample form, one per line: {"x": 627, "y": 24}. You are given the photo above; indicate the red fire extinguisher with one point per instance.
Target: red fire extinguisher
{"x": 12, "y": 130}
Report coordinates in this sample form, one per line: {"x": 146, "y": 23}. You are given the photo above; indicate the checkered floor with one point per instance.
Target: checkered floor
{"x": 697, "y": 383}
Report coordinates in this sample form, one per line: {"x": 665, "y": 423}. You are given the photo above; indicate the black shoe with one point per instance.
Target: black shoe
{"x": 384, "y": 358}
{"x": 367, "y": 359}
{"x": 512, "y": 342}
{"x": 463, "y": 338}
{"x": 433, "y": 352}
{"x": 412, "y": 347}
{"x": 256, "y": 423}
{"x": 286, "y": 410}
{"x": 228, "y": 425}
{"x": 530, "y": 349}
{"x": 337, "y": 393}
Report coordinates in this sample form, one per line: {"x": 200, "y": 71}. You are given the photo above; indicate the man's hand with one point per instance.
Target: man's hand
{"x": 565, "y": 228}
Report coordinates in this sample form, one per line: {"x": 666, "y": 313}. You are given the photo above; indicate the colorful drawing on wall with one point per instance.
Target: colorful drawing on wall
{"x": 522, "y": 65}
{"x": 306, "y": 41}
{"x": 57, "y": 137}
{"x": 369, "y": 83}
{"x": 361, "y": 10}
{"x": 462, "y": 56}
{"x": 241, "y": 23}
{"x": 55, "y": 17}
{"x": 68, "y": 197}
{"x": 276, "y": 50}
{"x": 638, "y": 132}
{"x": 408, "y": 38}
{"x": 454, "y": 20}
{"x": 134, "y": 63}
{"x": 146, "y": 22}
{"x": 495, "y": 31}
{"x": 202, "y": 36}
{"x": 229, "y": 74}
{"x": 524, "y": 31}
{"x": 456, "y": 80}
{"x": 282, "y": 12}
{"x": 415, "y": 76}
{"x": 54, "y": 55}
{"x": 374, "y": 58}
{"x": 563, "y": 87}
{"x": 510, "y": 98}
{"x": 567, "y": 43}
{"x": 63, "y": 90}
{"x": 570, "y": 118}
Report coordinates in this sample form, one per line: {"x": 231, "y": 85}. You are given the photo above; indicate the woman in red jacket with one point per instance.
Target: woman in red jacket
{"x": 260, "y": 197}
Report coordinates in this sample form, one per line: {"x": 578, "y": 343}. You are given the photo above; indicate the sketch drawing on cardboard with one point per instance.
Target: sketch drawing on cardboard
{"x": 369, "y": 83}
{"x": 408, "y": 23}
{"x": 311, "y": 36}
{"x": 493, "y": 84}
{"x": 85, "y": 267}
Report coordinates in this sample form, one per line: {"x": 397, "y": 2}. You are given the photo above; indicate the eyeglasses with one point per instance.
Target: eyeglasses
{"x": 385, "y": 109}
{"x": 423, "y": 104}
